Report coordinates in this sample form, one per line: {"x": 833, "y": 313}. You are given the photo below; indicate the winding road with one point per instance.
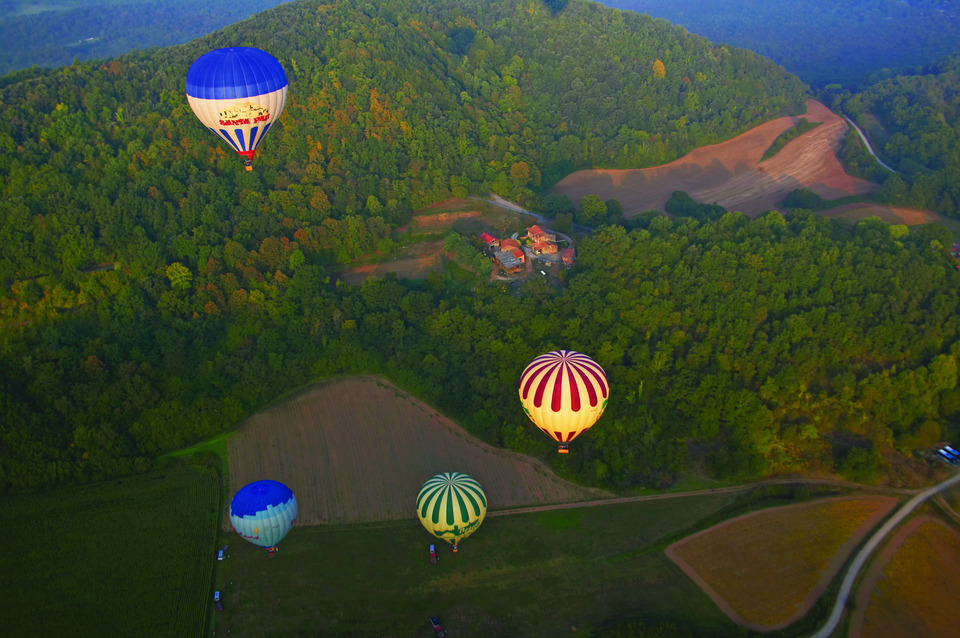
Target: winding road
{"x": 866, "y": 142}
{"x": 851, "y": 576}
{"x": 847, "y": 586}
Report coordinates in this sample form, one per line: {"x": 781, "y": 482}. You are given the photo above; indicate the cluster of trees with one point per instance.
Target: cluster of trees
{"x": 850, "y": 43}
{"x": 104, "y": 162}
{"x": 154, "y": 293}
{"x": 754, "y": 346}
{"x": 67, "y": 30}
{"x": 466, "y": 254}
{"x": 912, "y": 121}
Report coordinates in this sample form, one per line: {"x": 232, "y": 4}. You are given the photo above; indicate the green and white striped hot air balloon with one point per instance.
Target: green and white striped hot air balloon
{"x": 451, "y": 506}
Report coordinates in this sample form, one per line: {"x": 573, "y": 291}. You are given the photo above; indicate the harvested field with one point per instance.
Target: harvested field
{"x": 912, "y": 585}
{"x": 731, "y": 173}
{"x": 766, "y": 569}
{"x": 415, "y": 263}
{"x": 433, "y": 222}
{"x": 359, "y": 449}
{"x": 889, "y": 214}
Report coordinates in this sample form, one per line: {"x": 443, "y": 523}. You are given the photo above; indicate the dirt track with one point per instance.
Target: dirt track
{"x": 731, "y": 173}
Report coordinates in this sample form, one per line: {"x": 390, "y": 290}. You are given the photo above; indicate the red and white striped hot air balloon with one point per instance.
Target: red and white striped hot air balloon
{"x": 564, "y": 393}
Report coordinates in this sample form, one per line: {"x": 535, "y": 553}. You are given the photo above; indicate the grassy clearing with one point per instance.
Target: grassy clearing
{"x": 802, "y": 126}
{"x": 918, "y": 587}
{"x": 131, "y": 557}
{"x": 533, "y": 574}
{"x": 767, "y": 567}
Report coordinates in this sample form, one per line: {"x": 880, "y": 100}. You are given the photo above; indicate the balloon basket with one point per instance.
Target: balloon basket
{"x": 563, "y": 449}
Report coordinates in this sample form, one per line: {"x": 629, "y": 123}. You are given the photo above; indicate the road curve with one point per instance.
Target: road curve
{"x": 847, "y": 586}
{"x": 866, "y": 142}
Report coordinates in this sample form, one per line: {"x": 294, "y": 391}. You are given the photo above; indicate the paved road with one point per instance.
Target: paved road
{"x": 867, "y": 142}
{"x": 502, "y": 203}
{"x": 847, "y": 586}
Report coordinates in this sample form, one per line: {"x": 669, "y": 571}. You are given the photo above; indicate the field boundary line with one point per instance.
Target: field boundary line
{"x": 703, "y": 492}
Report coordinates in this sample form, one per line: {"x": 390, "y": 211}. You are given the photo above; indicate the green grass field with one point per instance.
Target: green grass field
{"x": 535, "y": 574}
{"x": 131, "y": 557}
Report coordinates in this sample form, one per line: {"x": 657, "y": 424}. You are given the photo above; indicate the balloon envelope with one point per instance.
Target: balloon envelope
{"x": 564, "y": 393}
{"x": 238, "y": 93}
{"x": 451, "y": 506}
{"x": 263, "y": 512}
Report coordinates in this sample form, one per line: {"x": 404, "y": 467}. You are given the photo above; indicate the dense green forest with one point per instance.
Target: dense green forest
{"x": 154, "y": 293}
{"x": 912, "y": 121}
{"x": 57, "y": 32}
{"x": 822, "y": 41}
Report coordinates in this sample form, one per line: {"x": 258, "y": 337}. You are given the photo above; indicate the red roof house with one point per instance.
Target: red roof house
{"x": 535, "y": 233}
{"x": 568, "y": 255}
{"x": 509, "y": 244}
{"x": 544, "y": 247}
{"x": 490, "y": 241}
{"x": 516, "y": 252}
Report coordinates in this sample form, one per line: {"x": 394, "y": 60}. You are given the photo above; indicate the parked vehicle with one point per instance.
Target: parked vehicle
{"x": 951, "y": 458}
{"x": 437, "y": 628}
{"x": 433, "y": 554}
{"x": 220, "y": 555}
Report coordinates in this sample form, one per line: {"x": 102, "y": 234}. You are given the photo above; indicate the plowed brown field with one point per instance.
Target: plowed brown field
{"x": 912, "y": 586}
{"x": 766, "y": 569}
{"x": 731, "y": 173}
{"x": 358, "y": 449}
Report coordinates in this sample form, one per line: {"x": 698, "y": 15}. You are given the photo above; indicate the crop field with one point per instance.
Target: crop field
{"x": 358, "y": 450}
{"x": 535, "y": 574}
{"x": 889, "y": 214}
{"x": 766, "y": 569}
{"x": 131, "y": 557}
{"x": 913, "y": 586}
{"x": 733, "y": 173}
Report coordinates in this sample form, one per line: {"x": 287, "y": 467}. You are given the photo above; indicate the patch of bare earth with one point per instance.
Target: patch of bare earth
{"x": 889, "y": 214}
{"x": 358, "y": 450}
{"x": 731, "y": 173}
{"x": 416, "y": 262}
{"x": 912, "y": 585}
{"x": 766, "y": 569}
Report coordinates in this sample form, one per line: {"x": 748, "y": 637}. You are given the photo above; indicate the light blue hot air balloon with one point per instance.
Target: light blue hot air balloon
{"x": 238, "y": 93}
{"x": 263, "y": 512}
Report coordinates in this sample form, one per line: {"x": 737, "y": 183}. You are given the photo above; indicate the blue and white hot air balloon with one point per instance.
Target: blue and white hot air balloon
{"x": 238, "y": 93}
{"x": 263, "y": 512}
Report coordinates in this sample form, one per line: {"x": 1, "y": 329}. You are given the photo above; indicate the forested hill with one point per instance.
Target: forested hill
{"x": 56, "y": 32}
{"x": 913, "y": 121}
{"x": 393, "y": 105}
{"x": 822, "y": 41}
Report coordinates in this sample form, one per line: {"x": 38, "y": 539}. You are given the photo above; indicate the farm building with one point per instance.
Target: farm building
{"x": 509, "y": 244}
{"x": 535, "y": 234}
{"x": 518, "y": 253}
{"x": 490, "y": 241}
{"x": 508, "y": 261}
{"x": 544, "y": 248}
{"x": 568, "y": 255}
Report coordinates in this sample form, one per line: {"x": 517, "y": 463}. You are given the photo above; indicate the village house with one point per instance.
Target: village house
{"x": 544, "y": 248}
{"x": 491, "y": 242}
{"x": 509, "y": 244}
{"x": 518, "y": 253}
{"x": 509, "y": 261}
{"x": 535, "y": 234}
{"x": 568, "y": 255}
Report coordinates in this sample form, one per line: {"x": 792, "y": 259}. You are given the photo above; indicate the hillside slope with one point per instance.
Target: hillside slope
{"x": 733, "y": 173}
